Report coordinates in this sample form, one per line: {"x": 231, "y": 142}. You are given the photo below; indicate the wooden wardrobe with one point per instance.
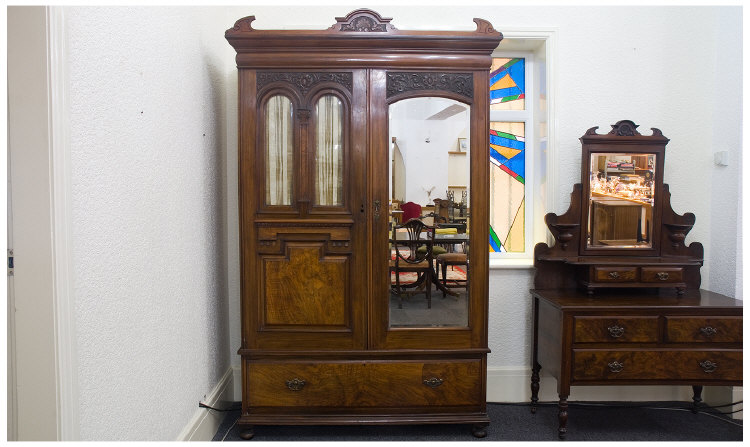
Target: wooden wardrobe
{"x": 318, "y": 344}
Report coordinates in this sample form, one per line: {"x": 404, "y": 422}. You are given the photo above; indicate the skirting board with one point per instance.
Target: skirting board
{"x": 205, "y": 422}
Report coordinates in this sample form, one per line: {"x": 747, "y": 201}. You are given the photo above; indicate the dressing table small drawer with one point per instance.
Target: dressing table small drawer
{"x": 616, "y": 330}
{"x": 662, "y": 274}
{"x": 615, "y": 274}
{"x": 704, "y": 330}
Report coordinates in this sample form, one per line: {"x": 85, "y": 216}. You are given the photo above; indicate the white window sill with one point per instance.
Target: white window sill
{"x": 519, "y": 263}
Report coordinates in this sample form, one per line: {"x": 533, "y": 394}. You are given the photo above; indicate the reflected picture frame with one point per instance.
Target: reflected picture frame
{"x": 463, "y": 144}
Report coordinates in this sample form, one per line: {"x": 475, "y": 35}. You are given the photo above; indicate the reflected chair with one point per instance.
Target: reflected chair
{"x": 407, "y": 258}
{"x": 443, "y": 261}
{"x": 411, "y": 211}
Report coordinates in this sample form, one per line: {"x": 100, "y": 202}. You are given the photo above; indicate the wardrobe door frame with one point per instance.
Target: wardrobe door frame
{"x": 473, "y": 337}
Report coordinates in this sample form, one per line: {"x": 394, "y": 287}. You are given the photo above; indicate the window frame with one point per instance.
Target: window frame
{"x": 527, "y": 116}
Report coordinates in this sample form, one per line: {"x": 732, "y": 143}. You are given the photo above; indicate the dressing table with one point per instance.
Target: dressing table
{"x": 616, "y": 298}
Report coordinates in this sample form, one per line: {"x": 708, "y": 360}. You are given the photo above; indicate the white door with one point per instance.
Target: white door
{"x": 34, "y": 405}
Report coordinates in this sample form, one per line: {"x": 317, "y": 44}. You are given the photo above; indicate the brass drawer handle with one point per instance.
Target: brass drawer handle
{"x": 295, "y": 384}
{"x": 615, "y": 366}
{"x": 708, "y": 366}
{"x": 433, "y": 382}
{"x": 708, "y": 331}
{"x": 663, "y": 276}
{"x": 616, "y": 331}
{"x": 614, "y": 275}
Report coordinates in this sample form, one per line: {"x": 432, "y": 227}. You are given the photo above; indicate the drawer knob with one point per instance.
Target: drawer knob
{"x": 708, "y": 331}
{"x": 615, "y": 366}
{"x": 708, "y": 366}
{"x": 616, "y": 331}
{"x": 614, "y": 275}
{"x": 295, "y": 384}
{"x": 663, "y": 276}
{"x": 433, "y": 382}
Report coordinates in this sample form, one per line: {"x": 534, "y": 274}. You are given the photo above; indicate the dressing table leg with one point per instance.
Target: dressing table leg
{"x": 535, "y": 386}
{"x": 697, "y": 390}
{"x": 562, "y": 417}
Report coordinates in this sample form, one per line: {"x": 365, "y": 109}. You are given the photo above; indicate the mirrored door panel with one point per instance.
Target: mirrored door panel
{"x": 621, "y": 200}
{"x": 429, "y": 214}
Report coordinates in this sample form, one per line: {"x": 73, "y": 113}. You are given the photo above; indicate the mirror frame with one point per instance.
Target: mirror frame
{"x": 624, "y": 139}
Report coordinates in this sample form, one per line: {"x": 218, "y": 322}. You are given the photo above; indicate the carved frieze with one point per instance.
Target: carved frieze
{"x": 304, "y": 81}
{"x": 401, "y": 82}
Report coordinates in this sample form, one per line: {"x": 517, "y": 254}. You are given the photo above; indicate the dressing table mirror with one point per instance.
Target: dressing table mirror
{"x": 620, "y": 230}
{"x": 335, "y": 127}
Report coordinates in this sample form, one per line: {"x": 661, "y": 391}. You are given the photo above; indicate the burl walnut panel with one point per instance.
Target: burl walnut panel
{"x": 366, "y": 384}
{"x": 717, "y": 330}
{"x": 305, "y": 287}
{"x": 622, "y": 329}
{"x": 606, "y": 365}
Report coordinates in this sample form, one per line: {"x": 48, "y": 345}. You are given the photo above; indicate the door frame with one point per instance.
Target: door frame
{"x": 42, "y": 211}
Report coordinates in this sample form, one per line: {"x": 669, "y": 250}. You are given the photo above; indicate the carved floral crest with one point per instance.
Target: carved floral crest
{"x": 363, "y": 20}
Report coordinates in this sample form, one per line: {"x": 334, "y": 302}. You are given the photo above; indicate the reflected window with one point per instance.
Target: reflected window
{"x": 279, "y": 151}
{"x": 329, "y": 154}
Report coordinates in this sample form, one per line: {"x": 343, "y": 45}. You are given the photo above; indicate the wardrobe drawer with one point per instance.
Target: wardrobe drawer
{"x": 615, "y": 274}
{"x": 662, "y": 274}
{"x": 704, "y": 329}
{"x": 382, "y": 384}
{"x": 619, "y": 330}
{"x": 612, "y": 365}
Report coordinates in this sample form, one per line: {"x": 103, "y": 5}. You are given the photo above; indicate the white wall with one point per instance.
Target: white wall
{"x": 426, "y": 163}
{"x": 148, "y": 156}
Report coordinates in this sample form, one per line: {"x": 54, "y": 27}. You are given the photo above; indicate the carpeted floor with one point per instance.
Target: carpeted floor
{"x": 653, "y": 421}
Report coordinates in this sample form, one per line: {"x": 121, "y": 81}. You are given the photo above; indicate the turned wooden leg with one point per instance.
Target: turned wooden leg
{"x": 697, "y": 390}
{"x": 247, "y": 432}
{"x": 535, "y": 386}
{"x": 562, "y": 417}
{"x": 479, "y": 430}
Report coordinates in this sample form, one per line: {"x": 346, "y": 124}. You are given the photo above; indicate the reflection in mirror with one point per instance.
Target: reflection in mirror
{"x": 621, "y": 200}
{"x": 429, "y": 213}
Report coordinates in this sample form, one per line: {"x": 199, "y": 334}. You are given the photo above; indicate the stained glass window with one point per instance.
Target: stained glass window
{"x": 509, "y": 123}
{"x": 507, "y": 187}
{"x": 508, "y": 84}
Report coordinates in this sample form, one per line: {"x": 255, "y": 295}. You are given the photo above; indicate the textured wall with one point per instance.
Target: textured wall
{"x": 148, "y": 142}
{"x": 674, "y": 68}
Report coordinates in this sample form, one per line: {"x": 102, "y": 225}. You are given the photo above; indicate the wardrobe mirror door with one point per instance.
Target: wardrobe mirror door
{"x": 428, "y": 234}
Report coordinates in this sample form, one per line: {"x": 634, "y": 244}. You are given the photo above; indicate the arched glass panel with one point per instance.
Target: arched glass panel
{"x": 279, "y": 151}
{"x": 329, "y": 152}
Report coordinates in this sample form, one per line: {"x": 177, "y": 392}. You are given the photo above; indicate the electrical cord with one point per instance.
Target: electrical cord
{"x": 202, "y": 405}
{"x": 229, "y": 429}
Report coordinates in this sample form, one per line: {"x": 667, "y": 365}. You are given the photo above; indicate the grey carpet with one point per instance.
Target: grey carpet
{"x": 514, "y": 422}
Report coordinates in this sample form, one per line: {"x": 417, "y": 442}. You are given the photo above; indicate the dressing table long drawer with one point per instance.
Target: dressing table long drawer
{"x": 613, "y": 365}
{"x": 365, "y": 384}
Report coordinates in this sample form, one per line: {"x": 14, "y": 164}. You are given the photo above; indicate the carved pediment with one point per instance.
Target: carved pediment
{"x": 363, "y": 20}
